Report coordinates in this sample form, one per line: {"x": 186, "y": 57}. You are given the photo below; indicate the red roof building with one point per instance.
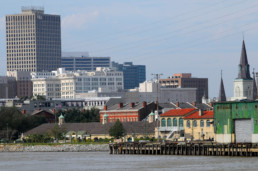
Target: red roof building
{"x": 178, "y": 112}
{"x": 202, "y": 115}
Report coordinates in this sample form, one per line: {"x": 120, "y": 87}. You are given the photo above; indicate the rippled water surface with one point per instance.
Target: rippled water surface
{"x": 37, "y": 161}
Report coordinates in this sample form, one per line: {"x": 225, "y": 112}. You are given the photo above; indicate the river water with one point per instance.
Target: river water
{"x": 48, "y": 161}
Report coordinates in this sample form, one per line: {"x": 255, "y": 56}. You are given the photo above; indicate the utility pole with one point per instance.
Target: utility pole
{"x": 157, "y": 79}
{"x": 7, "y": 132}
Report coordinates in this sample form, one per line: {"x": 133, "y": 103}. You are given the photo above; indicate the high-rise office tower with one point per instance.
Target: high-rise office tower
{"x": 33, "y": 41}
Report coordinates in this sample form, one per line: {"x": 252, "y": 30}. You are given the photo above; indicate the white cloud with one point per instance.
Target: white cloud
{"x": 77, "y": 21}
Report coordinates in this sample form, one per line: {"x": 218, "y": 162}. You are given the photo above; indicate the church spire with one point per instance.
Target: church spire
{"x": 222, "y": 94}
{"x": 244, "y": 72}
{"x": 254, "y": 87}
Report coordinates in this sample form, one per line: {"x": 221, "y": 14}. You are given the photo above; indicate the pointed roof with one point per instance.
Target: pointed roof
{"x": 244, "y": 72}
{"x": 222, "y": 94}
{"x": 254, "y": 87}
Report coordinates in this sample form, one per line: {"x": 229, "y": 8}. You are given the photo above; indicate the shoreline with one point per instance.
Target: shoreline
{"x": 55, "y": 148}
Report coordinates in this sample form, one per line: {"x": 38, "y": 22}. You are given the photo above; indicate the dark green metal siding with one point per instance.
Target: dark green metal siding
{"x": 225, "y": 114}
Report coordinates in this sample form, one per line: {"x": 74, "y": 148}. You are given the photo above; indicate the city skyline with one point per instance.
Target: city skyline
{"x": 168, "y": 37}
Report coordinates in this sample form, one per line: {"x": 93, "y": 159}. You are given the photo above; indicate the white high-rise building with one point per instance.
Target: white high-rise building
{"x": 65, "y": 84}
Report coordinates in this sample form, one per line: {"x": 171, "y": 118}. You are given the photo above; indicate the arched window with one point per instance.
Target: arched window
{"x": 194, "y": 123}
{"x": 208, "y": 123}
{"x": 188, "y": 124}
{"x": 181, "y": 123}
{"x": 163, "y": 122}
{"x": 168, "y": 122}
{"x": 201, "y": 123}
{"x": 174, "y": 122}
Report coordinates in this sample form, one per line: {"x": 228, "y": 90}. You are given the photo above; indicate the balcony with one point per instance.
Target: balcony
{"x": 169, "y": 129}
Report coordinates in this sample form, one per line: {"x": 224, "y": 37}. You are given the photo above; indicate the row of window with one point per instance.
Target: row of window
{"x": 168, "y": 123}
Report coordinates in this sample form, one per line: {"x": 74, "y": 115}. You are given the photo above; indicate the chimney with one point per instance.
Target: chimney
{"x": 54, "y": 111}
{"x": 144, "y": 104}
{"x": 105, "y": 107}
{"x": 23, "y": 111}
{"x": 200, "y": 112}
{"x": 120, "y": 105}
{"x": 194, "y": 103}
{"x": 132, "y": 105}
{"x": 177, "y": 104}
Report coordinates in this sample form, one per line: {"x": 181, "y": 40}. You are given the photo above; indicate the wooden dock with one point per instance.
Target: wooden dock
{"x": 242, "y": 149}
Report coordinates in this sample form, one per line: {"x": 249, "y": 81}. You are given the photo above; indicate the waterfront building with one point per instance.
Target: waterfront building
{"x": 23, "y": 83}
{"x": 127, "y": 112}
{"x": 133, "y": 74}
{"x": 236, "y": 122}
{"x": 96, "y": 131}
{"x": 185, "y": 80}
{"x": 172, "y": 123}
{"x": 84, "y": 63}
{"x": 66, "y": 84}
{"x": 33, "y": 41}
{"x": 199, "y": 125}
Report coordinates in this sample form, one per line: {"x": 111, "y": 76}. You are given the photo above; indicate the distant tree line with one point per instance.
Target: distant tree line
{"x": 13, "y": 122}
{"x": 80, "y": 115}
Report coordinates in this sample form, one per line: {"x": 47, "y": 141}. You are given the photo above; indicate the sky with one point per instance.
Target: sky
{"x": 168, "y": 36}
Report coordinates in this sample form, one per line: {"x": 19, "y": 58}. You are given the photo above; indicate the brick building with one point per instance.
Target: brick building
{"x": 128, "y": 112}
{"x": 185, "y": 80}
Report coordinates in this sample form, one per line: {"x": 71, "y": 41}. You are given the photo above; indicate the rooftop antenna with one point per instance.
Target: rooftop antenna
{"x": 221, "y": 73}
{"x": 243, "y": 34}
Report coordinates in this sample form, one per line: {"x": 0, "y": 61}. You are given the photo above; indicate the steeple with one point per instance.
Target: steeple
{"x": 222, "y": 94}
{"x": 254, "y": 87}
{"x": 243, "y": 72}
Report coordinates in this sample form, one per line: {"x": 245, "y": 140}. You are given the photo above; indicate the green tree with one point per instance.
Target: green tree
{"x": 58, "y": 132}
{"x": 80, "y": 116}
{"x": 117, "y": 130}
{"x": 15, "y": 122}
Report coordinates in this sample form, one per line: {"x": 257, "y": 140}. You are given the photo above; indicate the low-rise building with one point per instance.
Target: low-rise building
{"x": 199, "y": 125}
{"x": 126, "y": 112}
{"x": 236, "y": 122}
{"x": 172, "y": 123}
{"x": 96, "y": 130}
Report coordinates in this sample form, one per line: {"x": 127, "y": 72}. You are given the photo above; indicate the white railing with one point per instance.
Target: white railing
{"x": 168, "y": 129}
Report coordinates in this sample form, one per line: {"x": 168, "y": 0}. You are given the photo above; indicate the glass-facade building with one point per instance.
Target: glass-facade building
{"x": 133, "y": 74}
{"x": 84, "y": 63}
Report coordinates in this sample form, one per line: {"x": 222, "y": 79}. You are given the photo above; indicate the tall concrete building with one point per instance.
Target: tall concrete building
{"x": 185, "y": 80}
{"x": 33, "y": 41}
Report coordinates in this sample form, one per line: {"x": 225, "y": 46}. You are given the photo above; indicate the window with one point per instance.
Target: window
{"x": 163, "y": 122}
{"x": 201, "y": 123}
{"x": 168, "y": 122}
{"x": 188, "y": 124}
{"x": 208, "y": 123}
{"x": 194, "y": 123}
{"x": 175, "y": 122}
{"x": 181, "y": 123}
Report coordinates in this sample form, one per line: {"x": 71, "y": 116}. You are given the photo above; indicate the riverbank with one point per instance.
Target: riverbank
{"x": 54, "y": 148}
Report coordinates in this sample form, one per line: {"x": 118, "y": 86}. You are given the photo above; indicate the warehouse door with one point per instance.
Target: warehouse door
{"x": 243, "y": 130}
